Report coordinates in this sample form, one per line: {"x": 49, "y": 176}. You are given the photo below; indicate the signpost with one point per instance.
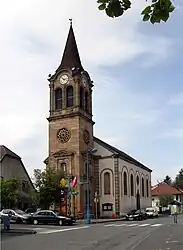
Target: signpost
{"x": 96, "y": 200}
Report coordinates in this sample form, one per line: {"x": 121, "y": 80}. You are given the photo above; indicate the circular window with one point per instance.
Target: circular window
{"x": 63, "y": 135}
{"x": 86, "y": 136}
{"x": 137, "y": 180}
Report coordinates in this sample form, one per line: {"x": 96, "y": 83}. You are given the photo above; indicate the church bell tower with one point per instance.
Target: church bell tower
{"x": 70, "y": 117}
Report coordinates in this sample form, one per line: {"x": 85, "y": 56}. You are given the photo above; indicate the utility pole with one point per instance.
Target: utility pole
{"x": 88, "y": 188}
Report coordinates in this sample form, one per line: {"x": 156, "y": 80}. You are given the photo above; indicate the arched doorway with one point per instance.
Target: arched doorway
{"x": 138, "y": 200}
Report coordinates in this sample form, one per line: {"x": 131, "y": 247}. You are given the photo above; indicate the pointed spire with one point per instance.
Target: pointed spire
{"x": 70, "y": 57}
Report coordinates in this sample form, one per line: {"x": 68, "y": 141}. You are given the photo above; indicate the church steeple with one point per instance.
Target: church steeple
{"x": 70, "y": 57}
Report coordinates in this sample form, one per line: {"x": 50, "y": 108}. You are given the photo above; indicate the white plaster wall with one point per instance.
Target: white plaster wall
{"x": 128, "y": 202}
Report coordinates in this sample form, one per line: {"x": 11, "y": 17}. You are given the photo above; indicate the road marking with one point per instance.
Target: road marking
{"x": 120, "y": 225}
{"x": 132, "y": 225}
{"x": 143, "y": 225}
{"x": 63, "y": 230}
{"x": 156, "y": 225}
{"x": 110, "y": 225}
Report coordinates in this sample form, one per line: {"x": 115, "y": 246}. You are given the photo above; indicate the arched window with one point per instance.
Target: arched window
{"x": 69, "y": 96}
{"x": 142, "y": 187}
{"x": 107, "y": 184}
{"x": 63, "y": 166}
{"x": 132, "y": 185}
{"x": 137, "y": 180}
{"x": 58, "y": 99}
{"x": 86, "y": 101}
{"x": 81, "y": 96}
{"x": 147, "y": 187}
{"x": 125, "y": 183}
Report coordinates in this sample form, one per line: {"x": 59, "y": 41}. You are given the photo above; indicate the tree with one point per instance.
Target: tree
{"x": 48, "y": 187}
{"x": 168, "y": 180}
{"x": 156, "y": 12}
{"x": 165, "y": 200}
{"x": 179, "y": 179}
{"x": 9, "y": 192}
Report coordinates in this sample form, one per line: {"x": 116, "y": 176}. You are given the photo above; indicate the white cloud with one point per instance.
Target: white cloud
{"x": 31, "y": 46}
{"x": 176, "y": 99}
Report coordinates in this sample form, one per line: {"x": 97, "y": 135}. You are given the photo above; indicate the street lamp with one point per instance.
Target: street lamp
{"x": 89, "y": 151}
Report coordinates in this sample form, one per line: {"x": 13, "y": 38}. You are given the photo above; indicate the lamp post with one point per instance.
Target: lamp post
{"x": 89, "y": 151}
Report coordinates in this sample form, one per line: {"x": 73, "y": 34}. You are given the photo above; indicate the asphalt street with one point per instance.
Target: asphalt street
{"x": 151, "y": 234}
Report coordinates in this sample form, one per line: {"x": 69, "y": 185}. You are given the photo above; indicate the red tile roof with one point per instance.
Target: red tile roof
{"x": 164, "y": 188}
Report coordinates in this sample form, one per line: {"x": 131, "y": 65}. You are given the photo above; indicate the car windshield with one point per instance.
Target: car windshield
{"x": 19, "y": 211}
{"x": 133, "y": 211}
{"x": 137, "y": 212}
{"x": 149, "y": 210}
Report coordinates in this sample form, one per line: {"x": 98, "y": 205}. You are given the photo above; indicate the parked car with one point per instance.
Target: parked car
{"x": 17, "y": 215}
{"x": 50, "y": 217}
{"x": 137, "y": 215}
{"x": 32, "y": 210}
{"x": 152, "y": 212}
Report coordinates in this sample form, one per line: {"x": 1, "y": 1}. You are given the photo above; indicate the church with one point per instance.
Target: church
{"x": 116, "y": 182}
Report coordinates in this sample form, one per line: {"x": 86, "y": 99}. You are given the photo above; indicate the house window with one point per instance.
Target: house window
{"x": 69, "y": 96}
{"x": 107, "y": 185}
{"x": 81, "y": 95}
{"x": 58, "y": 99}
{"x": 147, "y": 188}
{"x": 132, "y": 185}
{"x": 107, "y": 207}
{"x": 125, "y": 183}
{"x": 142, "y": 187}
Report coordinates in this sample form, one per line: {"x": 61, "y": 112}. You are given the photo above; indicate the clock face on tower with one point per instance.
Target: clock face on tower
{"x": 64, "y": 79}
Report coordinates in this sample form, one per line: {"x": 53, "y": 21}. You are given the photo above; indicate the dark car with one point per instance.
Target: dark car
{"x": 50, "y": 217}
{"x": 137, "y": 215}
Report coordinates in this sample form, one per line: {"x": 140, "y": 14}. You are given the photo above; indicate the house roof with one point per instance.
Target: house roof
{"x": 121, "y": 154}
{"x": 71, "y": 58}
{"x": 4, "y": 151}
{"x": 164, "y": 188}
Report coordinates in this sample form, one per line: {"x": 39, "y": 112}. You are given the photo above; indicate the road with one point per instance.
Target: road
{"x": 152, "y": 234}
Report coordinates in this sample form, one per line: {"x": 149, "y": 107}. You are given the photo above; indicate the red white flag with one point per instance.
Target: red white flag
{"x": 74, "y": 181}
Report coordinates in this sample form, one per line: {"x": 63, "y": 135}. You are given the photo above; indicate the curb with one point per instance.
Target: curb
{"x": 102, "y": 221}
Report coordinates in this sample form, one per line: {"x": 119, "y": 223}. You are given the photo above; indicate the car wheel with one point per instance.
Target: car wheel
{"x": 60, "y": 222}
{"x": 35, "y": 222}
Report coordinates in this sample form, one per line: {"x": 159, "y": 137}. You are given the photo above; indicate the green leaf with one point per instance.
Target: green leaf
{"x": 102, "y": 1}
{"x": 165, "y": 17}
{"x": 102, "y": 6}
{"x": 146, "y": 17}
{"x": 147, "y": 10}
{"x": 171, "y": 8}
{"x": 153, "y": 19}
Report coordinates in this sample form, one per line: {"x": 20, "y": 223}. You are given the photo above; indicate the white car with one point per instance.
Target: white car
{"x": 152, "y": 212}
{"x": 17, "y": 215}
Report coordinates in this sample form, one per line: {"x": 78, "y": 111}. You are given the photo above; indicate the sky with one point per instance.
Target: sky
{"x": 137, "y": 69}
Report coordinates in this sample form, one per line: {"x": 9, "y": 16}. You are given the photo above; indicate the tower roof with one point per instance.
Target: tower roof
{"x": 70, "y": 57}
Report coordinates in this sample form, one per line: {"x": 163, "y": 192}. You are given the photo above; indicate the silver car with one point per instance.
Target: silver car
{"x": 17, "y": 215}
